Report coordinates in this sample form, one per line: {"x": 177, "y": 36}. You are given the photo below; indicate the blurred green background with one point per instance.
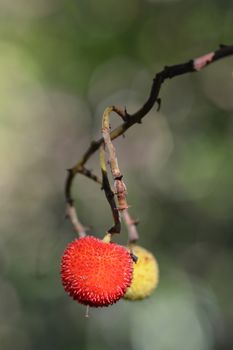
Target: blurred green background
{"x": 61, "y": 63}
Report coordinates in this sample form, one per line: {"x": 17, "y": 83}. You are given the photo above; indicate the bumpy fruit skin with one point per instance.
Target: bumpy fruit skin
{"x": 96, "y": 273}
{"x": 145, "y": 274}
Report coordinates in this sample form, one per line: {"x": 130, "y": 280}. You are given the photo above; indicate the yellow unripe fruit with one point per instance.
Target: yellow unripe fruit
{"x": 145, "y": 274}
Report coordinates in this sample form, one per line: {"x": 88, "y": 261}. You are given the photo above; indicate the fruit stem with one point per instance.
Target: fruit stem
{"x": 109, "y": 194}
{"x": 87, "y": 311}
{"x": 72, "y": 215}
{"x": 119, "y": 185}
{"x": 131, "y": 226}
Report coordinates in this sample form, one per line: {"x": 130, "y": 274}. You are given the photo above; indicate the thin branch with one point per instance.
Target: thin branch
{"x": 131, "y": 226}
{"x": 109, "y": 195}
{"x": 193, "y": 65}
{"x": 89, "y": 173}
{"x": 72, "y": 215}
{"x": 69, "y": 180}
{"x": 116, "y": 173}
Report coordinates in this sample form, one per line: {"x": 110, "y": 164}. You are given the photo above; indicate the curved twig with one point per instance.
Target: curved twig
{"x": 193, "y": 65}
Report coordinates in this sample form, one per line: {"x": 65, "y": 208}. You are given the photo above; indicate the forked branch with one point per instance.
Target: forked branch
{"x": 193, "y": 65}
